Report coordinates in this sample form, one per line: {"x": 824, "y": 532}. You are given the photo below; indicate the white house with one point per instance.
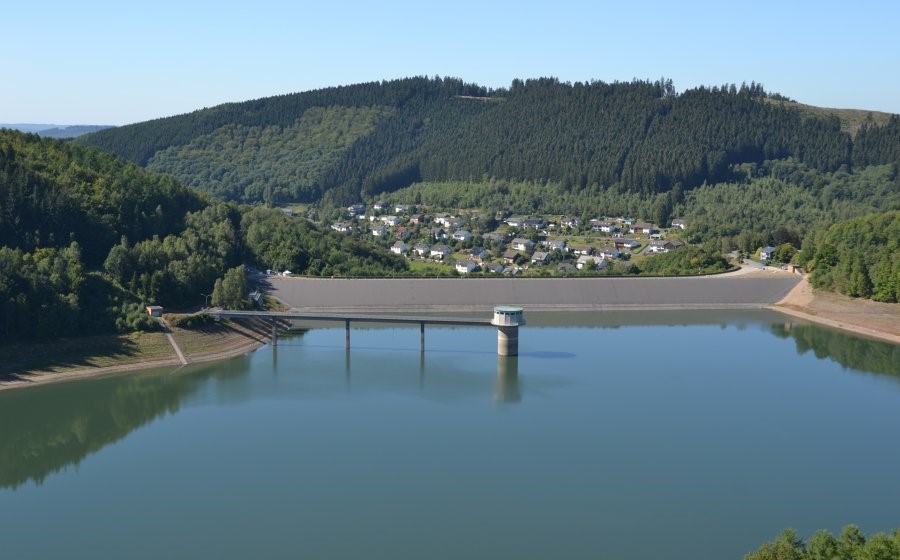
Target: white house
{"x": 572, "y": 222}
{"x": 466, "y": 267}
{"x": 627, "y": 243}
{"x": 540, "y": 257}
{"x": 767, "y": 253}
{"x": 663, "y": 246}
{"x": 399, "y": 248}
{"x": 462, "y": 235}
{"x": 642, "y": 227}
{"x": 380, "y": 231}
{"x": 679, "y": 223}
{"x": 448, "y": 221}
{"x": 556, "y": 245}
{"x": 440, "y": 251}
{"x": 391, "y": 220}
{"x": 522, "y": 244}
{"x": 584, "y": 250}
{"x": 606, "y": 226}
{"x": 401, "y": 208}
{"x": 342, "y": 227}
{"x": 607, "y": 252}
{"x": 587, "y": 260}
{"x": 422, "y": 249}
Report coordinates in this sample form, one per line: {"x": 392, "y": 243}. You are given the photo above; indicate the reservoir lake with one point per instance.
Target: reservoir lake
{"x": 624, "y": 435}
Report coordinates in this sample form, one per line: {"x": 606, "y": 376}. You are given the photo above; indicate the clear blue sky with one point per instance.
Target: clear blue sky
{"x": 116, "y": 62}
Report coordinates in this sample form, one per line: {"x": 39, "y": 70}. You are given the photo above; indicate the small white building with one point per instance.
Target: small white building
{"x": 462, "y": 235}
{"x": 399, "y": 248}
{"x": 597, "y": 263}
{"x": 440, "y": 251}
{"x": 522, "y": 244}
{"x": 466, "y": 267}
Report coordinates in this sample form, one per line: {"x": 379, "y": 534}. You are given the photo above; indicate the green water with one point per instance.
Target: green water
{"x": 664, "y": 435}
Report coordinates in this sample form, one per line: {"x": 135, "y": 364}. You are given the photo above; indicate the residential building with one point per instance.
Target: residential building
{"x": 462, "y": 235}
{"x": 466, "y": 267}
{"x": 522, "y": 244}
{"x": 440, "y": 251}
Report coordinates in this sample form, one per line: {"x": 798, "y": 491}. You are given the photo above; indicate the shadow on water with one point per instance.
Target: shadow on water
{"x": 854, "y": 352}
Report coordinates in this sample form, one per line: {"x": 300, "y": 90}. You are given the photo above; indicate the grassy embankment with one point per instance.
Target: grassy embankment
{"x": 103, "y": 351}
{"x": 69, "y": 354}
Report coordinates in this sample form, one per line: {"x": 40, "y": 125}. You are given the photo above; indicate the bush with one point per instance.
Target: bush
{"x": 195, "y": 321}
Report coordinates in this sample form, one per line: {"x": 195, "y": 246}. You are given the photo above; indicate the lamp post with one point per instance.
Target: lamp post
{"x": 206, "y": 300}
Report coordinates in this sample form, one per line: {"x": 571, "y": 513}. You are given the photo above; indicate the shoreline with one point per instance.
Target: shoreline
{"x": 225, "y": 352}
{"x": 863, "y": 318}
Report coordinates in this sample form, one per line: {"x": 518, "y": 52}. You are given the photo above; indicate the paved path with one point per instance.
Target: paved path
{"x": 174, "y": 344}
{"x": 476, "y": 294}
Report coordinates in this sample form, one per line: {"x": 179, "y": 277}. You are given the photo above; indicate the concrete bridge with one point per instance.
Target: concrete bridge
{"x": 507, "y": 320}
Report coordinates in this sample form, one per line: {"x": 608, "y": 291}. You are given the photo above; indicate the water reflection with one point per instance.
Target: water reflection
{"x": 45, "y": 429}
{"x": 506, "y": 386}
{"x": 854, "y": 352}
{"x": 48, "y": 428}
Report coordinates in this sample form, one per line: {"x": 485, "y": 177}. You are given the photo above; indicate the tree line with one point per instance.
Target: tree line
{"x": 637, "y": 136}
{"x": 858, "y": 257}
{"x": 87, "y": 240}
{"x": 851, "y": 544}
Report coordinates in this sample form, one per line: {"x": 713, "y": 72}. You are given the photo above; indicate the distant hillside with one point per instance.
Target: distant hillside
{"x": 56, "y": 131}
{"x": 73, "y": 131}
{"x": 27, "y": 127}
{"x": 345, "y": 143}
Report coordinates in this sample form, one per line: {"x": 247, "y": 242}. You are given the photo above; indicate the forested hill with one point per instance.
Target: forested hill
{"x": 53, "y": 193}
{"x": 369, "y": 138}
{"x": 87, "y": 239}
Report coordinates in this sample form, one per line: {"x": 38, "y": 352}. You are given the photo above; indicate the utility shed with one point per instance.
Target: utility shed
{"x": 154, "y": 310}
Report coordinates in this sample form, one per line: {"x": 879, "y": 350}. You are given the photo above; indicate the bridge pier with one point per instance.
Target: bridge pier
{"x": 422, "y": 336}
{"x": 347, "y": 329}
{"x": 274, "y": 331}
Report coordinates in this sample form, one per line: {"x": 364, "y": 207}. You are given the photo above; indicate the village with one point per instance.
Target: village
{"x": 504, "y": 244}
